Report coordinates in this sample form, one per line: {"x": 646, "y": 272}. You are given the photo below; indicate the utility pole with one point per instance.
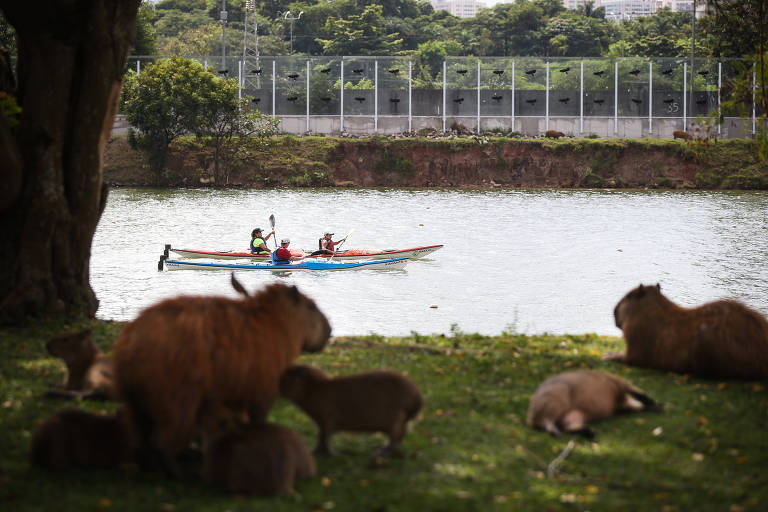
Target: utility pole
{"x": 292, "y": 19}
{"x": 223, "y": 37}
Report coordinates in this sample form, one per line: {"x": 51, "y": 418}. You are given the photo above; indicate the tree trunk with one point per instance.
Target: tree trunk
{"x": 71, "y": 59}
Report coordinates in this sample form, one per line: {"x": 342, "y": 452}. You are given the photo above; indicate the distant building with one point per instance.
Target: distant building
{"x": 460, "y": 8}
{"x": 573, "y": 4}
{"x": 618, "y": 10}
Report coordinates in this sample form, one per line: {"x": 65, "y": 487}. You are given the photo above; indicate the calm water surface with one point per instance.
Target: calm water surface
{"x": 532, "y": 261}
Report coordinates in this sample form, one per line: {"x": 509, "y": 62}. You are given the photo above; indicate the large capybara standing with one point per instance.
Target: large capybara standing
{"x": 74, "y": 438}
{"x": 721, "y": 339}
{"x": 184, "y": 359}
{"x": 377, "y": 401}
{"x": 89, "y": 372}
{"x": 260, "y": 459}
{"x": 568, "y": 402}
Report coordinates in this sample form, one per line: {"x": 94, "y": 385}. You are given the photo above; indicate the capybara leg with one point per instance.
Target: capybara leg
{"x": 574, "y": 423}
{"x": 323, "y": 447}
{"x": 396, "y": 434}
{"x": 647, "y": 403}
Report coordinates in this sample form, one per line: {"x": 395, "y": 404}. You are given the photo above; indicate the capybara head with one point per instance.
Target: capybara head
{"x": 296, "y": 379}
{"x": 637, "y": 299}
{"x": 304, "y": 312}
{"x": 75, "y": 346}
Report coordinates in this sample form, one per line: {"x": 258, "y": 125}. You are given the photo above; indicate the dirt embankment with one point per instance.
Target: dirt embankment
{"x": 455, "y": 162}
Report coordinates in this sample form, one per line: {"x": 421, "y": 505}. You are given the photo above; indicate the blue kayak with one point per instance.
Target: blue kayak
{"x": 390, "y": 264}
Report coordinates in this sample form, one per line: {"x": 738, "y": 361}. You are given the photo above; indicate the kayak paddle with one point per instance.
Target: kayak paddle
{"x": 272, "y": 223}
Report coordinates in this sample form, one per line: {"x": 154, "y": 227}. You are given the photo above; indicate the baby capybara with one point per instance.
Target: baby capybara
{"x": 568, "y": 402}
{"x": 681, "y": 134}
{"x": 721, "y": 339}
{"x": 377, "y": 401}
{"x": 74, "y": 438}
{"x": 89, "y": 372}
{"x": 260, "y": 459}
{"x": 183, "y": 358}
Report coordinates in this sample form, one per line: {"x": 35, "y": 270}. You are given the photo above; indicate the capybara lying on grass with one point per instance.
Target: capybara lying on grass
{"x": 260, "y": 459}
{"x": 681, "y": 134}
{"x": 721, "y": 339}
{"x": 74, "y": 438}
{"x": 89, "y": 372}
{"x": 554, "y": 134}
{"x": 569, "y": 401}
{"x": 377, "y": 401}
{"x": 186, "y": 358}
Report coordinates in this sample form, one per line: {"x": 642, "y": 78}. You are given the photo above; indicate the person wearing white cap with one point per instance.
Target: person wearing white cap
{"x": 282, "y": 255}
{"x": 326, "y": 245}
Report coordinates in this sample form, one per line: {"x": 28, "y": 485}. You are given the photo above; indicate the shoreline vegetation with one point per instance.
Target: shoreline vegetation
{"x": 453, "y": 161}
{"x": 471, "y": 449}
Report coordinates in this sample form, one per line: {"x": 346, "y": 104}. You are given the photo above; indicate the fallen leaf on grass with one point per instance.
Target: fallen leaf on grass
{"x": 698, "y": 457}
{"x": 325, "y": 481}
{"x": 657, "y": 431}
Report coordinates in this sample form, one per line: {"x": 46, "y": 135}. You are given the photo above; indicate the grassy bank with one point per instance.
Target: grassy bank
{"x": 470, "y": 451}
{"x": 455, "y": 161}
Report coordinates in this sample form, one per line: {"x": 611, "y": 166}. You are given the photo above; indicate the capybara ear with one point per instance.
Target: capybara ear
{"x": 658, "y": 286}
{"x": 640, "y": 291}
{"x": 238, "y": 287}
{"x": 293, "y": 293}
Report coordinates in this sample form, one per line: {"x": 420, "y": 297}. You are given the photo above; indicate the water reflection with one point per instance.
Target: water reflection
{"x": 536, "y": 261}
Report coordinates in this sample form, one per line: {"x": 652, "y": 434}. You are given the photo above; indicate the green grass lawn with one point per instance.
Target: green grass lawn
{"x": 471, "y": 450}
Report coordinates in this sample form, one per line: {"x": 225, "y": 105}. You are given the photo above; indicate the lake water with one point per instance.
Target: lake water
{"x": 528, "y": 261}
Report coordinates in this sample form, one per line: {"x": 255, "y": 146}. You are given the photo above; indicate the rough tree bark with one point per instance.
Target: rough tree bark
{"x": 71, "y": 59}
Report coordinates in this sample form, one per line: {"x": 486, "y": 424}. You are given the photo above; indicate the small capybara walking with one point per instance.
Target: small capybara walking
{"x": 554, "y": 134}
{"x": 569, "y": 401}
{"x": 74, "y": 438}
{"x": 186, "y": 358}
{"x": 260, "y": 459}
{"x": 681, "y": 134}
{"x": 89, "y": 372}
{"x": 377, "y": 401}
{"x": 721, "y": 339}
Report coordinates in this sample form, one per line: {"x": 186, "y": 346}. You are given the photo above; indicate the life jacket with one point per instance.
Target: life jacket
{"x": 277, "y": 260}
{"x": 255, "y": 243}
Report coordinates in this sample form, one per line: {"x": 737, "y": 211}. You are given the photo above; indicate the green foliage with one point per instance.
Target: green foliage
{"x": 359, "y": 34}
{"x": 145, "y": 42}
{"x": 10, "y": 109}
{"x": 392, "y": 161}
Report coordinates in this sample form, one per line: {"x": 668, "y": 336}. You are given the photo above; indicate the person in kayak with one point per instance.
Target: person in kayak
{"x": 326, "y": 245}
{"x": 259, "y": 243}
{"x": 282, "y": 255}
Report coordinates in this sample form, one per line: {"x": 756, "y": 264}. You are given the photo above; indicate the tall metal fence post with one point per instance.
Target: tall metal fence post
{"x": 341, "y": 95}
{"x": 410, "y": 103}
{"x": 205, "y": 64}
{"x": 546, "y": 101}
{"x": 685, "y": 95}
{"x": 274, "y": 82}
{"x": 444, "y": 91}
{"x": 581, "y": 97}
{"x": 719, "y": 99}
{"x": 513, "y": 95}
{"x": 239, "y": 80}
{"x": 376, "y": 96}
{"x": 307, "y": 95}
{"x": 650, "y": 98}
{"x": 138, "y": 67}
{"x": 616, "y": 97}
{"x": 478, "y": 96}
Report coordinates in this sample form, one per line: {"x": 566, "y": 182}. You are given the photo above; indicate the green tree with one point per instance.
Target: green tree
{"x": 361, "y": 34}
{"x": 145, "y": 42}
{"x": 163, "y": 103}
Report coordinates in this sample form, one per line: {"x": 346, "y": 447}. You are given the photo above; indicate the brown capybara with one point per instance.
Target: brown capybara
{"x": 377, "y": 401}
{"x": 681, "y": 134}
{"x": 89, "y": 372}
{"x": 75, "y": 438}
{"x": 262, "y": 459}
{"x": 554, "y": 134}
{"x": 185, "y": 357}
{"x": 721, "y": 339}
{"x": 567, "y": 402}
